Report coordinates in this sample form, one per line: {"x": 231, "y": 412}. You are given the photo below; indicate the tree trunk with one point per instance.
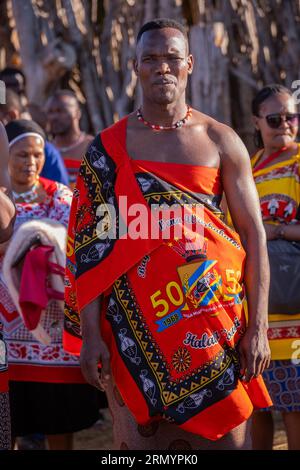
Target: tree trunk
{"x": 209, "y": 81}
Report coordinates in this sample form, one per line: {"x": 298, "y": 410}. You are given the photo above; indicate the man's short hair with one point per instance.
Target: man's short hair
{"x": 161, "y": 23}
{"x": 60, "y": 93}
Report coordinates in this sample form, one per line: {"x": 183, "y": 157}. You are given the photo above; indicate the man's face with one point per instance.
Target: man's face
{"x": 163, "y": 65}
{"x": 62, "y": 112}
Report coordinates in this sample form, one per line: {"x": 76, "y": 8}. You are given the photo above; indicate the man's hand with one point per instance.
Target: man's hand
{"x": 94, "y": 350}
{"x": 254, "y": 351}
{"x": 91, "y": 354}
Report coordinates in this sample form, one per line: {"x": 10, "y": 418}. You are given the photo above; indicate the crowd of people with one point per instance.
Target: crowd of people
{"x": 176, "y": 330}
{"x": 45, "y": 382}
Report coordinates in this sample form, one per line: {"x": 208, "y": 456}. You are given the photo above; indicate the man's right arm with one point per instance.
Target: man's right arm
{"x": 7, "y": 208}
{"x": 243, "y": 204}
{"x": 94, "y": 350}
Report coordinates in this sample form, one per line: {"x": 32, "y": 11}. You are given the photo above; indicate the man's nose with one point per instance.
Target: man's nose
{"x": 163, "y": 67}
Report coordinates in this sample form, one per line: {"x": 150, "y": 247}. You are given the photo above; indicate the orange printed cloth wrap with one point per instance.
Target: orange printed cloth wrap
{"x": 172, "y": 310}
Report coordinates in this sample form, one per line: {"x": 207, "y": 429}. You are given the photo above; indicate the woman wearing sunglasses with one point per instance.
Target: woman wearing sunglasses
{"x": 276, "y": 171}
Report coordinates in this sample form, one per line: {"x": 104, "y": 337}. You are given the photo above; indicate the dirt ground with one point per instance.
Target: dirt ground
{"x": 99, "y": 437}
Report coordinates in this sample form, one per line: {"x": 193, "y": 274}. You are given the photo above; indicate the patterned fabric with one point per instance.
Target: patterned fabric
{"x": 278, "y": 188}
{"x": 282, "y": 379}
{"x": 72, "y": 167}
{"x": 3, "y": 363}
{"x": 172, "y": 337}
{"x": 56, "y": 204}
{"x": 5, "y": 435}
{"x": 25, "y": 354}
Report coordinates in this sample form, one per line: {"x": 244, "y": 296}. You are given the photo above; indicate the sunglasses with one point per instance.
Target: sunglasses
{"x": 274, "y": 120}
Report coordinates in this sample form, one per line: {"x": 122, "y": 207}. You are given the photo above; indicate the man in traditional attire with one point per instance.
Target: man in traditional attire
{"x": 164, "y": 312}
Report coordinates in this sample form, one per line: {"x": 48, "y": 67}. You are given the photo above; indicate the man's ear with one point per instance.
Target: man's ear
{"x": 190, "y": 62}
{"x": 78, "y": 113}
{"x": 135, "y": 66}
{"x": 13, "y": 114}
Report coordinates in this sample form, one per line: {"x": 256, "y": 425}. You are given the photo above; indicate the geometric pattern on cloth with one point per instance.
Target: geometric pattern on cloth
{"x": 282, "y": 379}
{"x": 283, "y": 332}
{"x": 181, "y": 399}
{"x": 24, "y": 349}
{"x": 5, "y": 435}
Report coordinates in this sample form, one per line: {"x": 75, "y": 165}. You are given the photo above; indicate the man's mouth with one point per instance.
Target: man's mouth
{"x": 164, "y": 82}
{"x": 55, "y": 125}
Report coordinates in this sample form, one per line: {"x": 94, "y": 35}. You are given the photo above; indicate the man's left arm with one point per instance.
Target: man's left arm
{"x": 243, "y": 204}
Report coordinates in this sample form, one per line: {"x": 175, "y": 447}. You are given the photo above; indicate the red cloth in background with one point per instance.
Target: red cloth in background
{"x": 33, "y": 288}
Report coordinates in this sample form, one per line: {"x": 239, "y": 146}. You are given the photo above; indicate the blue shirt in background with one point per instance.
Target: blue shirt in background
{"x": 54, "y": 168}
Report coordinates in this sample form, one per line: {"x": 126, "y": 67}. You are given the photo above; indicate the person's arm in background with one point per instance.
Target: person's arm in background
{"x": 243, "y": 204}
{"x": 286, "y": 232}
{"x": 7, "y": 208}
{"x": 54, "y": 167}
{"x": 93, "y": 350}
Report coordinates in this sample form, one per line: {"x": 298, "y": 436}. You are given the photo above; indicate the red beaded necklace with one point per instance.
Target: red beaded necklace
{"x": 156, "y": 127}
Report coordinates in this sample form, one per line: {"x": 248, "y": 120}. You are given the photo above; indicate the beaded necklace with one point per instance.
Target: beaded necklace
{"x": 27, "y": 196}
{"x": 156, "y": 127}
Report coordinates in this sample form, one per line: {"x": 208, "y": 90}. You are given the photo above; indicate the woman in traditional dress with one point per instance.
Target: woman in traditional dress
{"x": 276, "y": 171}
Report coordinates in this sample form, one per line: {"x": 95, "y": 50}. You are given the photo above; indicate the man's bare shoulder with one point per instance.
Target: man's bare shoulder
{"x": 221, "y": 134}
{"x": 228, "y": 143}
